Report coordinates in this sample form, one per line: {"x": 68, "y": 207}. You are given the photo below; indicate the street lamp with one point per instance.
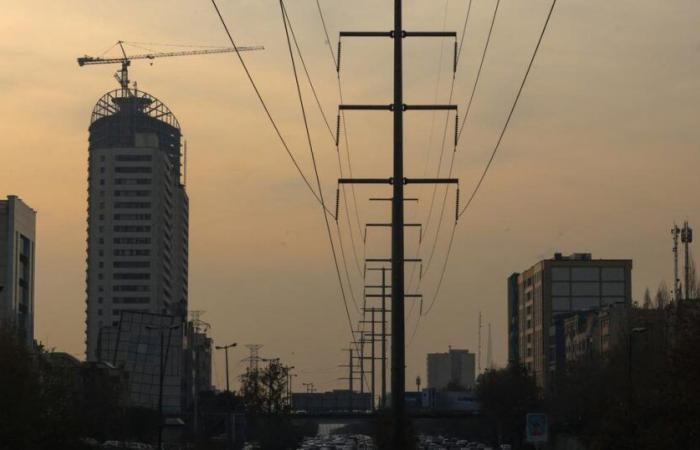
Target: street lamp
{"x": 163, "y": 361}
{"x": 225, "y": 349}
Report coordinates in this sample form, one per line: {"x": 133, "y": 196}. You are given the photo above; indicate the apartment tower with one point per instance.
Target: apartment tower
{"x": 137, "y": 213}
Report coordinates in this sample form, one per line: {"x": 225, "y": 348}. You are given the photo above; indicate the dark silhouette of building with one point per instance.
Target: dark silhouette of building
{"x": 554, "y": 289}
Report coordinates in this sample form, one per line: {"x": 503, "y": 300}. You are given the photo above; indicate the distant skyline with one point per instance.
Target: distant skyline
{"x": 602, "y": 155}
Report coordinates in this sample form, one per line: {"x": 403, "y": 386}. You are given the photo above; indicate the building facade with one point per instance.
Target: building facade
{"x": 456, "y": 368}
{"x": 17, "y": 251}
{"x": 137, "y": 246}
{"x": 554, "y": 289}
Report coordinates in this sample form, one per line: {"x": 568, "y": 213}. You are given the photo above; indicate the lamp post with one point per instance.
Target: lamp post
{"x": 225, "y": 349}
{"x": 163, "y": 362}
{"x": 229, "y": 431}
{"x": 290, "y": 376}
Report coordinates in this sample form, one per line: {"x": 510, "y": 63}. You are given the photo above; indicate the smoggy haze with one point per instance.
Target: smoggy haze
{"x": 602, "y": 154}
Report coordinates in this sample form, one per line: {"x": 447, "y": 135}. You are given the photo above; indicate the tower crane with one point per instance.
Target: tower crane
{"x": 122, "y": 75}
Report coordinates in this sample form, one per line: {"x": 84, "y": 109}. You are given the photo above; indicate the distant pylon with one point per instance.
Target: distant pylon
{"x": 254, "y": 357}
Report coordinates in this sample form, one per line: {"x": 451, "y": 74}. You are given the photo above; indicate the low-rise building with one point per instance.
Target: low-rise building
{"x": 453, "y": 369}
{"x": 17, "y": 250}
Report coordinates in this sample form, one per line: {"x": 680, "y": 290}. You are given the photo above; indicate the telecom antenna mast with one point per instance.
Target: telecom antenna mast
{"x": 675, "y": 232}
{"x": 122, "y": 75}
{"x": 686, "y": 239}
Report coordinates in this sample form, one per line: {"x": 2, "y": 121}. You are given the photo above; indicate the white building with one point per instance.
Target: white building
{"x": 137, "y": 213}
{"x": 456, "y": 367}
{"x": 17, "y": 240}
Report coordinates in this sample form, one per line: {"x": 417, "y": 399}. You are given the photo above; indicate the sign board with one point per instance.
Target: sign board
{"x": 536, "y": 428}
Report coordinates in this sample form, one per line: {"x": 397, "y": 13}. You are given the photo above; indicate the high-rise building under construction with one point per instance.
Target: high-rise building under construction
{"x": 137, "y": 242}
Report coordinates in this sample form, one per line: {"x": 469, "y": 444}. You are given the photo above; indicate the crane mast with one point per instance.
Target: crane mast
{"x": 122, "y": 75}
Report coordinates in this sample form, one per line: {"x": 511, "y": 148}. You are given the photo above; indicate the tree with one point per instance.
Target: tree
{"x": 264, "y": 390}
{"x": 663, "y": 296}
{"x": 647, "y": 299}
{"x": 506, "y": 396}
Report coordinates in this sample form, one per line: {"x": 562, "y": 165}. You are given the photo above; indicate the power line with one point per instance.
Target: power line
{"x": 512, "y": 110}
{"x": 442, "y": 147}
{"x": 495, "y": 150}
{"x": 318, "y": 179}
{"x": 478, "y": 73}
{"x": 330, "y": 130}
{"x": 464, "y": 121}
{"x": 267, "y": 110}
{"x": 342, "y": 113}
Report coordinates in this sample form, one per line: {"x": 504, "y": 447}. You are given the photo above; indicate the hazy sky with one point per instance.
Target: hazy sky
{"x": 602, "y": 155}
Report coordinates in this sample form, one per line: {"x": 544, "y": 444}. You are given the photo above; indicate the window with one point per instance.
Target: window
{"x": 560, "y": 288}
{"x": 131, "y": 241}
{"x": 613, "y": 300}
{"x": 131, "y": 264}
{"x": 134, "y": 205}
{"x": 133, "y": 158}
{"x": 584, "y": 303}
{"x": 585, "y": 274}
{"x": 613, "y": 288}
{"x": 132, "y": 181}
{"x": 131, "y": 288}
{"x": 132, "y": 276}
{"x": 131, "y": 300}
{"x": 561, "y": 304}
{"x": 122, "y": 193}
{"x": 131, "y": 252}
{"x": 133, "y": 216}
{"x": 613, "y": 273}
{"x": 133, "y": 170}
{"x": 560, "y": 274}
{"x": 132, "y": 228}
{"x": 585, "y": 289}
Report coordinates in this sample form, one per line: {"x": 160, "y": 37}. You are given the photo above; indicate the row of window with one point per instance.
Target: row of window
{"x": 132, "y": 181}
{"x": 132, "y": 216}
{"x": 132, "y": 228}
{"x": 131, "y": 288}
{"x": 131, "y": 252}
{"x": 133, "y": 169}
{"x": 132, "y": 240}
{"x": 135, "y": 205}
{"x": 131, "y": 276}
{"x": 122, "y": 193}
{"x": 133, "y": 158}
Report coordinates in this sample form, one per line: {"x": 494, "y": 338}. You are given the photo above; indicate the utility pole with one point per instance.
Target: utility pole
{"x": 161, "y": 375}
{"x": 383, "y": 402}
{"x": 373, "y": 339}
{"x": 351, "y": 376}
{"x": 489, "y": 349}
{"x": 478, "y": 355}
{"x": 397, "y": 181}
{"x": 225, "y": 349}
